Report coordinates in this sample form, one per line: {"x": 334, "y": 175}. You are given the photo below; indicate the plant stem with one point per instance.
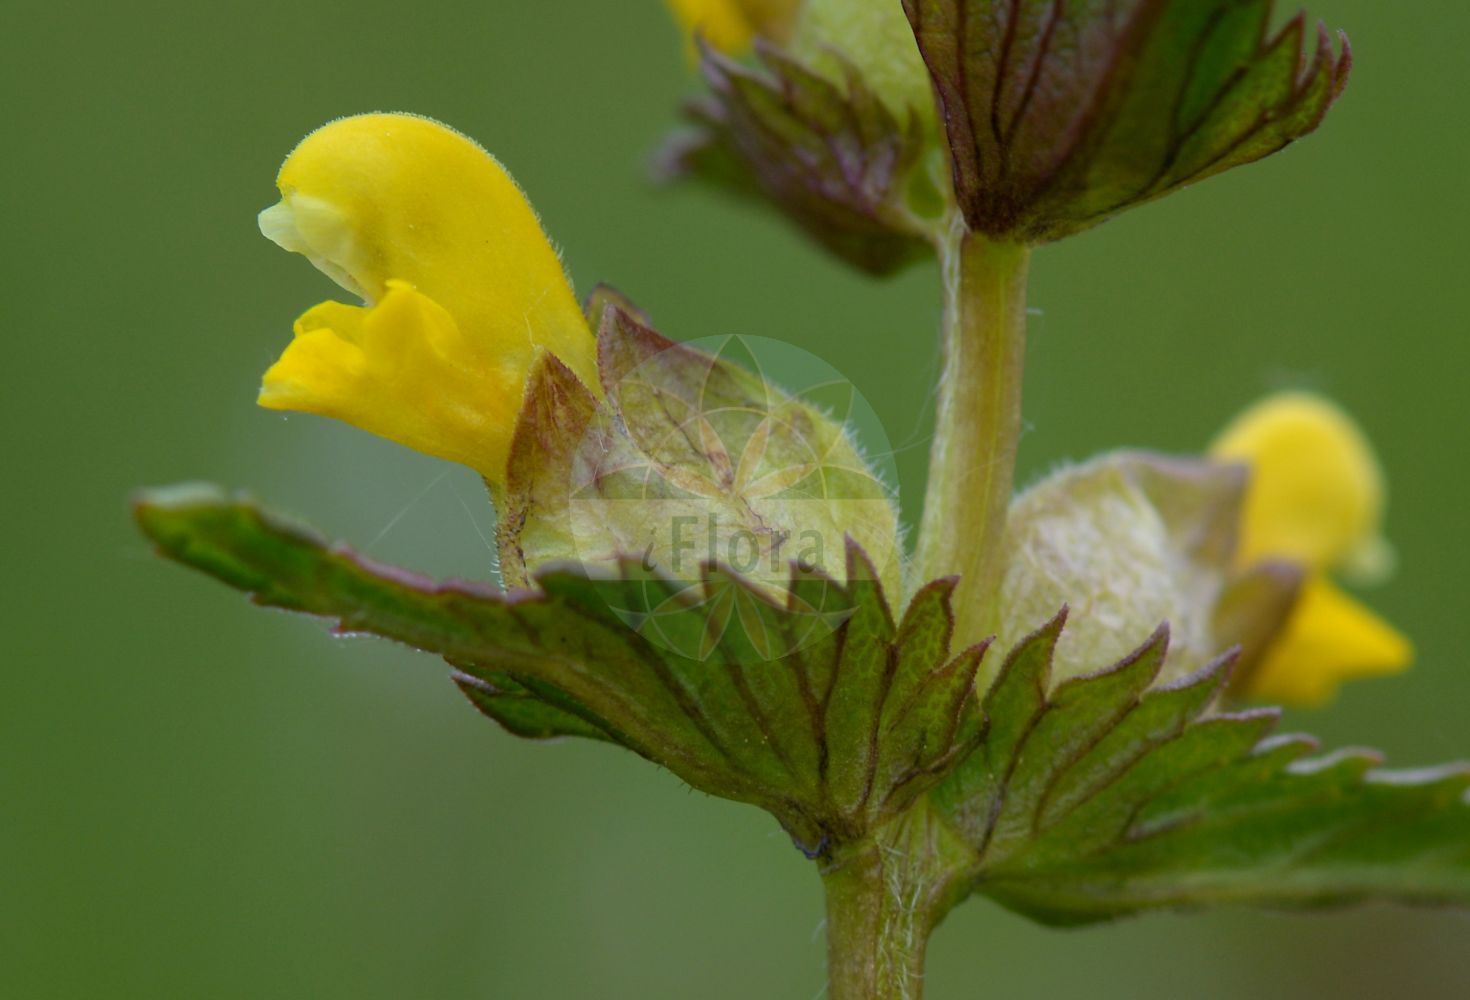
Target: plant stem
{"x": 878, "y": 922}
{"x": 885, "y": 895}
{"x": 978, "y": 426}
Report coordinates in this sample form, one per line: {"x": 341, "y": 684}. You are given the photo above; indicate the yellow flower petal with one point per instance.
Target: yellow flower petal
{"x": 1330, "y": 638}
{"x": 1316, "y": 499}
{"x": 419, "y": 220}
{"x": 402, "y": 369}
{"x": 722, "y": 23}
{"x": 730, "y": 26}
{"x": 1316, "y": 494}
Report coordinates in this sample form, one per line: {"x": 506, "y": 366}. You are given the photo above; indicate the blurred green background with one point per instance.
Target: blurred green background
{"x": 203, "y": 800}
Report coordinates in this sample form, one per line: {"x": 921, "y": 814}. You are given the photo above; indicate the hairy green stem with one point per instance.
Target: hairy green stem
{"x": 885, "y": 896}
{"x": 978, "y": 426}
{"x": 875, "y": 944}
{"x": 886, "y": 893}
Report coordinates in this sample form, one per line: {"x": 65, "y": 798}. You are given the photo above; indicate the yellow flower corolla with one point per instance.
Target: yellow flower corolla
{"x": 731, "y": 26}
{"x": 1315, "y": 500}
{"x": 461, "y": 289}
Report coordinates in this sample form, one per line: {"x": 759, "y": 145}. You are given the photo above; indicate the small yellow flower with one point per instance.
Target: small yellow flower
{"x": 461, "y": 289}
{"x": 1316, "y": 500}
{"x": 731, "y": 26}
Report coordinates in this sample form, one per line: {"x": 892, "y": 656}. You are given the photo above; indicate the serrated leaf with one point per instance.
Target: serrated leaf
{"x": 788, "y": 705}
{"x": 1060, "y": 115}
{"x": 521, "y": 712}
{"x": 1110, "y": 796}
{"x": 1078, "y": 715}
{"x": 973, "y": 793}
{"x": 832, "y": 157}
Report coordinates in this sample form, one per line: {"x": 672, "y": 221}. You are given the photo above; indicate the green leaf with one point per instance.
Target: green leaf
{"x": 832, "y": 157}
{"x": 522, "y": 712}
{"x": 1101, "y": 796}
{"x": 1109, "y": 795}
{"x": 822, "y": 709}
{"x": 1063, "y": 113}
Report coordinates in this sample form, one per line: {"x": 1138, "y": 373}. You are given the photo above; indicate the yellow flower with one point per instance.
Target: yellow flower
{"x": 1315, "y": 500}
{"x": 461, "y": 289}
{"x": 731, "y": 26}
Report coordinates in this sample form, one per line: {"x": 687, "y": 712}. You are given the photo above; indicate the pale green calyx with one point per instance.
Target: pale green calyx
{"x": 872, "y": 36}
{"x": 1128, "y": 540}
{"x": 692, "y": 460}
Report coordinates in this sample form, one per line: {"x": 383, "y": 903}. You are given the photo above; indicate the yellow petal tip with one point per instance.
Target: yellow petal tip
{"x": 1330, "y": 638}
{"x": 1316, "y": 494}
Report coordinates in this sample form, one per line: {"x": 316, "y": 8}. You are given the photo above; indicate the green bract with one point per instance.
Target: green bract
{"x": 859, "y": 177}
{"x": 823, "y": 709}
{"x": 1062, "y": 114}
{"x": 1057, "y": 115}
{"x": 1104, "y": 795}
{"x": 1071, "y": 801}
